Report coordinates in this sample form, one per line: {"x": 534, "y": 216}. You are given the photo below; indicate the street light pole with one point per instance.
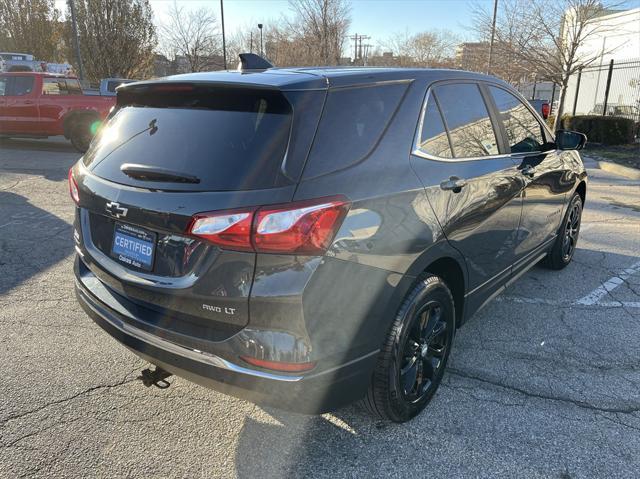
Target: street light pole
{"x": 224, "y": 41}
{"x": 493, "y": 35}
{"x": 261, "y": 50}
{"x": 76, "y": 40}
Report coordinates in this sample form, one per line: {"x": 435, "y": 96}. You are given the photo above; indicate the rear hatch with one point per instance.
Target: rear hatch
{"x": 168, "y": 152}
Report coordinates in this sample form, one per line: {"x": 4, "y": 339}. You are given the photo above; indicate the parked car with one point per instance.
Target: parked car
{"x": 23, "y": 62}
{"x": 43, "y": 104}
{"x": 542, "y": 107}
{"x": 632, "y": 112}
{"x": 303, "y": 238}
{"x": 16, "y": 62}
{"x": 107, "y": 86}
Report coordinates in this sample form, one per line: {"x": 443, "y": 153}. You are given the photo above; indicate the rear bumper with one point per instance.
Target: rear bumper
{"x": 313, "y": 393}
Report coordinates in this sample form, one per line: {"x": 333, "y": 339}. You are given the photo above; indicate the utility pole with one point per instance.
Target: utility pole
{"x": 224, "y": 41}
{"x": 493, "y": 35}
{"x": 261, "y": 49}
{"x": 358, "y": 46}
{"x": 355, "y": 50}
{"x": 76, "y": 40}
{"x": 251, "y": 42}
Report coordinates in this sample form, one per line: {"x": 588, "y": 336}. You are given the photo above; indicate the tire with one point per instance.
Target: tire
{"x": 419, "y": 341}
{"x": 564, "y": 246}
{"x": 80, "y": 133}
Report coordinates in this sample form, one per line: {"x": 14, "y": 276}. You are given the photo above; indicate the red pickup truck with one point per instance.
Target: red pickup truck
{"x": 39, "y": 105}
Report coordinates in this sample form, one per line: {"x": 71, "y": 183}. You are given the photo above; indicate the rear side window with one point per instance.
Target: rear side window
{"x": 61, "y": 86}
{"x": 20, "y": 85}
{"x": 229, "y": 138}
{"x": 524, "y": 132}
{"x": 353, "y": 121}
{"x": 467, "y": 120}
{"x": 433, "y": 136}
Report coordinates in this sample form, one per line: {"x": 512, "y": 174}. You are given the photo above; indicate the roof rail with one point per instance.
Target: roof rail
{"x": 251, "y": 61}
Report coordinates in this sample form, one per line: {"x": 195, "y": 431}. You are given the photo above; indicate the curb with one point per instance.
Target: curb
{"x": 616, "y": 169}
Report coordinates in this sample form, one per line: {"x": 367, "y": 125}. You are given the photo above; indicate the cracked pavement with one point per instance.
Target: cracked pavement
{"x": 538, "y": 385}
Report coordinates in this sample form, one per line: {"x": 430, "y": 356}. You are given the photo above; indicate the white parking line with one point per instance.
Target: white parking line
{"x": 594, "y": 298}
{"x": 597, "y": 294}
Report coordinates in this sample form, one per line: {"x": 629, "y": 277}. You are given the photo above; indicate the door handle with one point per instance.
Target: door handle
{"x": 28, "y": 102}
{"x": 454, "y": 184}
{"x": 528, "y": 170}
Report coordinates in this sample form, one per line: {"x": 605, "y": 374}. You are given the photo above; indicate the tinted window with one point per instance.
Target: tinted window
{"x": 467, "y": 120}
{"x": 21, "y": 85}
{"x": 433, "y": 137}
{"x": 231, "y": 139}
{"x": 524, "y": 132}
{"x": 3, "y": 85}
{"x": 353, "y": 121}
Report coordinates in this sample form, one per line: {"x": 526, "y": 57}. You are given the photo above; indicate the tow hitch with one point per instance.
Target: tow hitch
{"x": 157, "y": 377}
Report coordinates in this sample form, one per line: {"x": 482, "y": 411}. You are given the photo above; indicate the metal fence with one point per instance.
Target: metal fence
{"x": 611, "y": 88}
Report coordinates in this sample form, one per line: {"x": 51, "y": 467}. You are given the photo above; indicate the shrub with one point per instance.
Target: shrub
{"x": 609, "y": 130}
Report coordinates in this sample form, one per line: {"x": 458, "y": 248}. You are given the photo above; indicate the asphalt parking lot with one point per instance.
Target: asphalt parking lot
{"x": 544, "y": 382}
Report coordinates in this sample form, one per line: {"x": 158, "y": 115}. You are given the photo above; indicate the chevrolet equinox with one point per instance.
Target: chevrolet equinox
{"x": 307, "y": 237}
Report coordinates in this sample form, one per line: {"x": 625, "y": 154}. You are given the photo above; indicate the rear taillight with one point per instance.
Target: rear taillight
{"x": 305, "y": 227}
{"x": 73, "y": 187}
{"x": 546, "y": 108}
{"x": 227, "y": 229}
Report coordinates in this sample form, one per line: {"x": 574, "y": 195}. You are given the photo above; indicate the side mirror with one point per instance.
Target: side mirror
{"x": 570, "y": 140}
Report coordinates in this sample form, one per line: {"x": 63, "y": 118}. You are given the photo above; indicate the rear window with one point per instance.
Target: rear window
{"x": 353, "y": 121}
{"x": 230, "y": 139}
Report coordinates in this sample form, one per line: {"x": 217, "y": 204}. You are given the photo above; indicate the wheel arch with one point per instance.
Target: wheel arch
{"x": 446, "y": 262}
{"x": 581, "y": 189}
{"x": 74, "y": 116}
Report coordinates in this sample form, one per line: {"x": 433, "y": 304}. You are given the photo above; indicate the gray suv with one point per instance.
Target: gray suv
{"x": 307, "y": 237}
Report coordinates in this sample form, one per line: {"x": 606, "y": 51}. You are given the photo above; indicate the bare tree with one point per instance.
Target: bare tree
{"x": 117, "y": 38}
{"x": 30, "y": 26}
{"x": 547, "y": 35}
{"x": 193, "y": 35}
{"x": 321, "y": 26}
{"x": 425, "y": 49}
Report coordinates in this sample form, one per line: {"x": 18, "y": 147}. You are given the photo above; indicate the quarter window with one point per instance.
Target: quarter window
{"x": 524, "y": 132}
{"x": 467, "y": 119}
{"x": 433, "y": 137}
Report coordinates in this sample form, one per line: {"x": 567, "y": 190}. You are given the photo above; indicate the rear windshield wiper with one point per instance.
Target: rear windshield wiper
{"x": 152, "y": 173}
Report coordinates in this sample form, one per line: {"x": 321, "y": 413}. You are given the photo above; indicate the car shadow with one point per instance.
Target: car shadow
{"x": 495, "y": 376}
{"x": 50, "y": 159}
{"x": 31, "y": 240}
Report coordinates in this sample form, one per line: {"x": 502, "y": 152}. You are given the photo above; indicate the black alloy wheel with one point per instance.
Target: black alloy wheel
{"x": 424, "y": 352}
{"x": 414, "y": 356}
{"x": 571, "y": 230}
{"x": 566, "y": 242}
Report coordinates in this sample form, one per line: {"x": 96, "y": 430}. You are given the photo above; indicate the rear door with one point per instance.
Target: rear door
{"x": 541, "y": 171}
{"x": 471, "y": 183}
{"x": 53, "y": 106}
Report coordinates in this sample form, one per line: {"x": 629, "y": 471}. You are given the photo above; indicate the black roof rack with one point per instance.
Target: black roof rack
{"x": 251, "y": 61}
